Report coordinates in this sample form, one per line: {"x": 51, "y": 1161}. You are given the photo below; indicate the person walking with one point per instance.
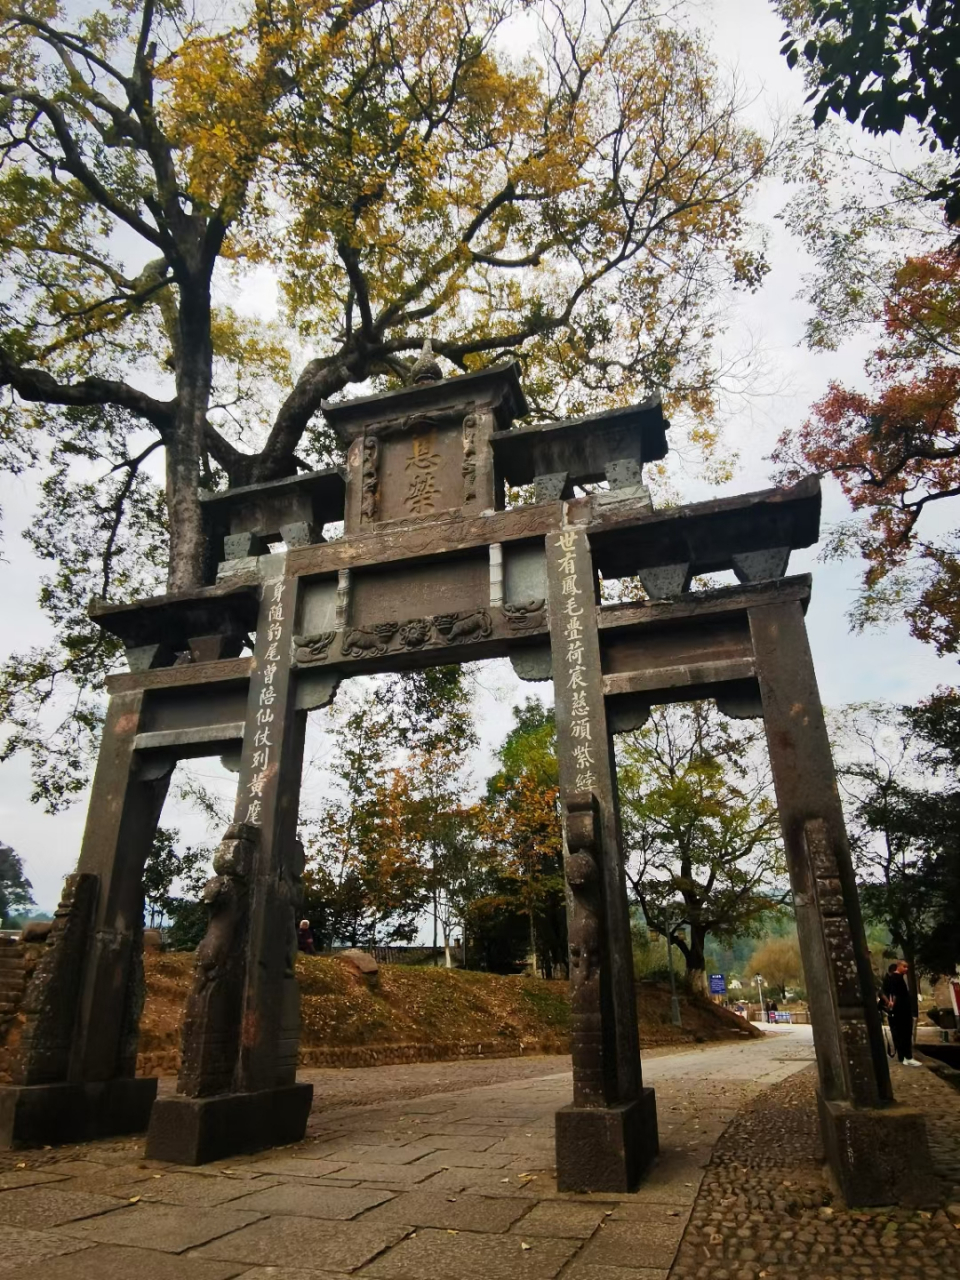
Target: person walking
{"x": 901, "y": 1007}
{"x": 305, "y": 940}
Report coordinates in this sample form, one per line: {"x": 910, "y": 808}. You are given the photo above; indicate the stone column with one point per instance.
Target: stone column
{"x": 237, "y": 1087}
{"x": 606, "y": 1139}
{"x": 78, "y": 1057}
{"x": 878, "y": 1151}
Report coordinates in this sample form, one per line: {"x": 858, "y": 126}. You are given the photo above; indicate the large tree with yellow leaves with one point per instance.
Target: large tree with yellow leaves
{"x": 554, "y": 180}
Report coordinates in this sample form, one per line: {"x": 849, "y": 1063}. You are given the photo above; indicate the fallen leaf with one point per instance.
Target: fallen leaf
{"x": 133, "y": 1200}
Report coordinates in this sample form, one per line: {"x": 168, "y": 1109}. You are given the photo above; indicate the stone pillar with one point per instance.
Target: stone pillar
{"x": 878, "y": 1151}
{"x": 606, "y": 1139}
{"x": 237, "y": 1087}
{"x": 77, "y": 1061}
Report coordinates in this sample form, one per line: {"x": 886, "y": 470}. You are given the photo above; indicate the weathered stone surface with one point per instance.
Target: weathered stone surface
{"x": 168, "y": 1228}
{"x": 360, "y": 963}
{"x": 312, "y": 1201}
{"x": 39, "y": 1207}
{"x": 42, "y": 1114}
{"x": 21, "y": 1250}
{"x": 195, "y": 1130}
{"x": 108, "y": 1262}
{"x": 50, "y": 1001}
{"x": 634, "y": 1244}
{"x": 452, "y": 1212}
{"x": 606, "y": 1148}
{"x": 583, "y": 1270}
{"x": 878, "y": 1155}
{"x": 562, "y": 1219}
{"x": 441, "y": 1255}
{"x": 11, "y": 1178}
{"x": 386, "y": 1154}
{"x": 198, "y": 1190}
{"x": 304, "y": 1242}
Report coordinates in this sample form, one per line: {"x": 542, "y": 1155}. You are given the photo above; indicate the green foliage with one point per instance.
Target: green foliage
{"x": 882, "y": 63}
{"x": 520, "y": 829}
{"x": 16, "y": 891}
{"x": 166, "y": 866}
{"x": 400, "y": 169}
{"x": 701, "y": 831}
{"x": 898, "y": 768}
{"x": 397, "y": 836}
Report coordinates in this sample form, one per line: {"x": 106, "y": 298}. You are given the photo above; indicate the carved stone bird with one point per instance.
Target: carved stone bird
{"x": 425, "y": 367}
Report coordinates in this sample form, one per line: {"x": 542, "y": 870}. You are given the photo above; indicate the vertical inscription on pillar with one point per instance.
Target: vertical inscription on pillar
{"x": 575, "y": 672}
{"x": 263, "y": 767}
{"x": 421, "y": 467}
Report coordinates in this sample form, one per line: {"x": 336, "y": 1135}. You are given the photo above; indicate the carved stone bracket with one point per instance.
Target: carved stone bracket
{"x": 469, "y": 468}
{"x": 312, "y": 649}
{"x": 585, "y": 931}
{"x": 370, "y": 480}
{"x": 524, "y": 616}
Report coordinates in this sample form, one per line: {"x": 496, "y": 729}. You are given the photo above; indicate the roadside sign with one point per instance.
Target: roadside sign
{"x": 718, "y": 984}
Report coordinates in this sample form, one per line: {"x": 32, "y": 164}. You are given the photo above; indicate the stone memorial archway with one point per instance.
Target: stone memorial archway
{"x": 431, "y": 569}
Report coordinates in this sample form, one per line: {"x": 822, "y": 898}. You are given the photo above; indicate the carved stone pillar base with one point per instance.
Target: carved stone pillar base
{"x": 196, "y": 1130}
{"x": 39, "y": 1115}
{"x": 878, "y": 1155}
{"x": 606, "y": 1148}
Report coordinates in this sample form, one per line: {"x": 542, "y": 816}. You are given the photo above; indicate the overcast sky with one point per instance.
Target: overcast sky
{"x": 888, "y": 664}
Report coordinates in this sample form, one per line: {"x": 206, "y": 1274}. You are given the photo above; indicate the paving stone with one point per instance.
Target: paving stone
{"x": 460, "y": 1213}
{"x": 167, "y": 1227}
{"x": 48, "y": 1206}
{"x": 561, "y": 1219}
{"x": 12, "y": 1178}
{"x": 22, "y": 1249}
{"x": 384, "y": 1153}
{"x": 635, "y": 1244}
{"x": 592, "y": 1271}
{"x": 309, "y": 1200}
{"x": 291, "y": 1273}
{"x": 445, "y": 1255}
{"x": 463, "y": 1158}
{"x": 122, "y": 1181}
{"x": 396, "y": 1175}
{"x": 107, "y": 1262}
{"x": 460, "y": 1141}
{"x": 196, "y": 1190}
{"x": 646, "y": 1211}
{"x": 304, "y": 1242}
{"x": 284, "y": 1166}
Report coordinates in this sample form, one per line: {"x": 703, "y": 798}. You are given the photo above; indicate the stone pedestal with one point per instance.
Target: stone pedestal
{"x": 43, "y": 1114}
{"x": 606, "y": 1148}
{"x": 878, "y": 1155}
{"x": 195, "y": 1130}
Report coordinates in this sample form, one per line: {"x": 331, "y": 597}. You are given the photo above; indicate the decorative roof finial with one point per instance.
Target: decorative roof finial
{"x": 425, "y": 367}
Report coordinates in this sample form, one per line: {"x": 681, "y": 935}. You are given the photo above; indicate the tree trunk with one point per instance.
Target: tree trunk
{"x": 696, "y": 963}
{"x": 194, "y": 377}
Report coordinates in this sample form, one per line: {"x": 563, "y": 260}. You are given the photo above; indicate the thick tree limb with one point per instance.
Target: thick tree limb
{"x": 38, "y": 386}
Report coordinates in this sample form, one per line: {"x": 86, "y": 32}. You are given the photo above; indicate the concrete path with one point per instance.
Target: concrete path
{"x": 446, "y": 1186}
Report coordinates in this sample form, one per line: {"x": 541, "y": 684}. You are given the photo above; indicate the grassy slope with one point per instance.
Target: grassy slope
{"x": 424, "y": 1006}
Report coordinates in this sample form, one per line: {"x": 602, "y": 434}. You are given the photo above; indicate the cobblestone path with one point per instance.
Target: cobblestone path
{"x": 766, "y": 1210}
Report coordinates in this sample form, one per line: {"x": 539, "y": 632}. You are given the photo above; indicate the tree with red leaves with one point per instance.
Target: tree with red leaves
{"x": 896, "y": 452}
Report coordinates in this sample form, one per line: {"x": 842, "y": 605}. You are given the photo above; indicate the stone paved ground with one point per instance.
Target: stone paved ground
{"x": 766, "y": 1208}
{"x": 454, "y": 1185}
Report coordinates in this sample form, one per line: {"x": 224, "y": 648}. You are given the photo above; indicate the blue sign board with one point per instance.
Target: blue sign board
{"x": 718, "y": 984}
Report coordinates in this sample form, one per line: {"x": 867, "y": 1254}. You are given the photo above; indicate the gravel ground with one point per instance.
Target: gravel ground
{"x": 766, "y": 1208}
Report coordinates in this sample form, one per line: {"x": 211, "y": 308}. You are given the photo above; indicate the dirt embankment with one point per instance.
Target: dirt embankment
{"x": 420, "y": 1014}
